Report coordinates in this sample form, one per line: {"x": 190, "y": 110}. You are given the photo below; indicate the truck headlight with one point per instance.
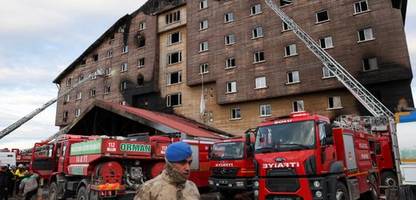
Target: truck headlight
{"x": 256, "y": 184}
{"x": 211, "y": 182}
{"x": 317, "y": 184}
{"x": 318, "y": 194}
{"x": 239, "y": 184}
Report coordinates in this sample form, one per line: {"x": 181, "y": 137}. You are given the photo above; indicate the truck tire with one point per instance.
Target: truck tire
{"x": 389, "y": 179}
{"x": 82, "y": 193}
{"x": 53, "y": 191}
{"x": 341, "y": 191}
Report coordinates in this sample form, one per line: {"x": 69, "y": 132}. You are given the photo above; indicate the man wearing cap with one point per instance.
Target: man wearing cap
{"x": 172, "y": 183}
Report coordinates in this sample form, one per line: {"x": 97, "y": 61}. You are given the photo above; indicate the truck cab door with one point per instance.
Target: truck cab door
{"x": 326, "y": 143}
{"x": 61, "y": 159}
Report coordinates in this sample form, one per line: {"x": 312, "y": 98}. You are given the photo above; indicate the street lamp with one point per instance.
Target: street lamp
{"x": 18, "y": 123}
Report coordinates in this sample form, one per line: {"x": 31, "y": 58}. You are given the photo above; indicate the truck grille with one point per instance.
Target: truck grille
{"x": 224, "y": 172}
{"x": 282, "y": 180}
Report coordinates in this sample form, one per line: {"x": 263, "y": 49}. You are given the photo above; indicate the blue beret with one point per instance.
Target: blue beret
{"x": 178, "y": 151}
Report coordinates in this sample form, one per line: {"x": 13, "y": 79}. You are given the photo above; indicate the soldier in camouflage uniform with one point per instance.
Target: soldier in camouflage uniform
{"x": 172, "y": 183}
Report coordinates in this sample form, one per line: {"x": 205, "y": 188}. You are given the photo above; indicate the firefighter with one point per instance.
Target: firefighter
{"x": 19, "y": 174}
{"x": 29, "y": 185}
{"x": 172, "y": 183}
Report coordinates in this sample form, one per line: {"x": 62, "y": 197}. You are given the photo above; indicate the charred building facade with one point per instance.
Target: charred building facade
{"x": 242, "y": 60}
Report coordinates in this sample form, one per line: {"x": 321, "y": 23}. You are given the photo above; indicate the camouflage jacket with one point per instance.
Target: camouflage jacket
{"x": 163, "y": 188}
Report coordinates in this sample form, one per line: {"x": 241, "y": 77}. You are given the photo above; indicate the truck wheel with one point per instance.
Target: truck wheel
{"x": 94, "y": 195}
{"x": 341, "y": 192}
{"x": 53, "y": 191}
{"x": 82, "y": 193}
{"x": 389, "y": 179}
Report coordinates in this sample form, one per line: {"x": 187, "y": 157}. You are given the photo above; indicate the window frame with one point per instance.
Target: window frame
{"x": 265, "y": 107}
{"x": 169, "y": 99}
{"x": 179, "y": 53}
{"x": 317, "y": 17}
{"x": 255, "y": 32}
{"x": 235, "y": 113}
{"x": 288, "y": 49}
{"x": 295, "y": 103}
{"x": 334, "y": 107}
{"x": 260, "y": 84}
{"x": 293, "y": 79}
{"x": 169, "y": 78}
{"x": 259, "y": 57}
{"x": 231, "y": 87}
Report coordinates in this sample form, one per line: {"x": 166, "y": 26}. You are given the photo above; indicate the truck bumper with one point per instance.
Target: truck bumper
{"x": 220, "y": 184}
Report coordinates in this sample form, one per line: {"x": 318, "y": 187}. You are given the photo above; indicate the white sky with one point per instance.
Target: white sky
{"x": 39, "y": 39}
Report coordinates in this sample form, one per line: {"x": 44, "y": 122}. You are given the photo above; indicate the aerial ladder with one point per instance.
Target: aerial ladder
{"x": 35, "y": 112}
{"x": 371, "y": 103}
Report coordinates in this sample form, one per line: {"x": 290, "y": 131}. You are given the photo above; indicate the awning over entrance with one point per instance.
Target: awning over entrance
{"x": 103, "y": 118}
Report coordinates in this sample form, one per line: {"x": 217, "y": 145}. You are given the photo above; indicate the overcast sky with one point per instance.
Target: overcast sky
{"x": 39, "y": 39}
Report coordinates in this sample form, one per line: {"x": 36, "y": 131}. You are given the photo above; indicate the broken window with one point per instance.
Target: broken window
{"x": 322, "y": 16}
{"x": 174, "y": 100}
{"x": 174, "y": 77}
{"x": 174, "y": 58}
{"x": 141, "y": 40}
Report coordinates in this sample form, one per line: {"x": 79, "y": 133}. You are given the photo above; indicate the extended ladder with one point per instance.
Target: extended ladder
{"x": 371, "y": 103}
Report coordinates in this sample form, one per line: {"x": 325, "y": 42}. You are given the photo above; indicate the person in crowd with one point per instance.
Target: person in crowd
{"x": 172, "y": 183}
{"x": 19, "y": 174}
{"x": 29, "y": 185}
{"x": 4, "y": 177}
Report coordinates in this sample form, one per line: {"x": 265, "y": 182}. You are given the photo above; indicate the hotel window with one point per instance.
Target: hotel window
{"x": 228, "y": 17}
{"x": 229, "y": 39}
{"x": 65, "y": 116}
{"x": 140, "y": 62}
{"x": 235, "y": 113}
{"x": 124, "y": 67}
{"x": 285, "y": 27}
{"x": 203, "y": 68}
{"x": 231, "y": 87}
{"x": 67, "y": 98}
{"x": 125, "y": 49}
{"x": 203, "y": 24}
{"x": 78, "y": 96}
{"x": 261, "y": 82}
{"x": 326, "y": 73}
{"x": 173, "y": 17}
{"x": 68, "y": 82}
{"x": 257, "y": 32}
{"x": 95, "y": 57}
{"x": 370, "y": 64}
{"x": 174, "y": 100}
{"x": 230, "y": 63}
{"x": 322, "y": 16}
{"x": 174, "y": 77}
{"x": 203, "y": 4}
{"x": 203, "y": 46}
{"x": 174, "y": 38}
{"x": 360, "y": 7}
{"x": 107, "y": 89}
{"x": 365, "y": 34}
{"x": 174, "y": 58}
{"x": 109, "y": 53}
{"x": 334, "y": 102}
{"x": 326, "y": 42}
{"x": 265, "y": 110}
{"x": 107, "y": 71}
{"x": 293, "y": 77}
{"x": 123, "y": 85}
{"x": 290, "y": 50}
{"x": 256, "y": 9}
{"x": 93, "y": 92}
{"x": 142, "y": 26}
{"x": 77, "y": 112}
{"x": 298, "y": 106}
{"x": 259, "y": 57}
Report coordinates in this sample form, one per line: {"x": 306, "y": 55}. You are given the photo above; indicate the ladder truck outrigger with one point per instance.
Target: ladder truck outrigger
{"x": 383, "y": 121}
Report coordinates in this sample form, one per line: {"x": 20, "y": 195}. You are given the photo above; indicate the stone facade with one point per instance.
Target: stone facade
{"x": 270, "y": 66}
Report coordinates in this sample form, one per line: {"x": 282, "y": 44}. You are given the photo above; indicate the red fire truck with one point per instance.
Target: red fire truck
{"x": 232, "y": 166}
{"x": 23, "y": 156}
{"x": 94, "y": 167}
{"x": 302, "y": 157}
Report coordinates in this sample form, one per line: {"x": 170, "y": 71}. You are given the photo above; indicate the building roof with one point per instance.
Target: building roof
{"x": 163, "y": 122}
{"x": 149, "y": 8}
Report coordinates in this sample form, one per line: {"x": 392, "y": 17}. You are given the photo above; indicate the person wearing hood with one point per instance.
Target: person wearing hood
{"x": 29, "y": 185}
{"x": 172, "y": 183}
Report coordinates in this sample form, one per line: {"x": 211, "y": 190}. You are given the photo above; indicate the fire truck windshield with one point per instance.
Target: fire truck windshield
{"x": 227, "y": 151}
{"x": 285, "y": 137}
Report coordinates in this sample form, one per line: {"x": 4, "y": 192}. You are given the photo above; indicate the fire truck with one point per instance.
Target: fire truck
{"x": 303, "y": 157}
{"x": 232, "y": 166}
{"x": 95, "y": 167}
{"x": 23, "y": 156}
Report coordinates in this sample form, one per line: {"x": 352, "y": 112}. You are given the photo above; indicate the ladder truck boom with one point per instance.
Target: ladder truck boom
{"x": 371, "y": 103}
{"x": 29, "y": 116}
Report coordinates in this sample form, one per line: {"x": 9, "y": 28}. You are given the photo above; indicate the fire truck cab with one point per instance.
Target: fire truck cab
{"x": 303, "y": 157}
{"x": 232, "y": 166}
